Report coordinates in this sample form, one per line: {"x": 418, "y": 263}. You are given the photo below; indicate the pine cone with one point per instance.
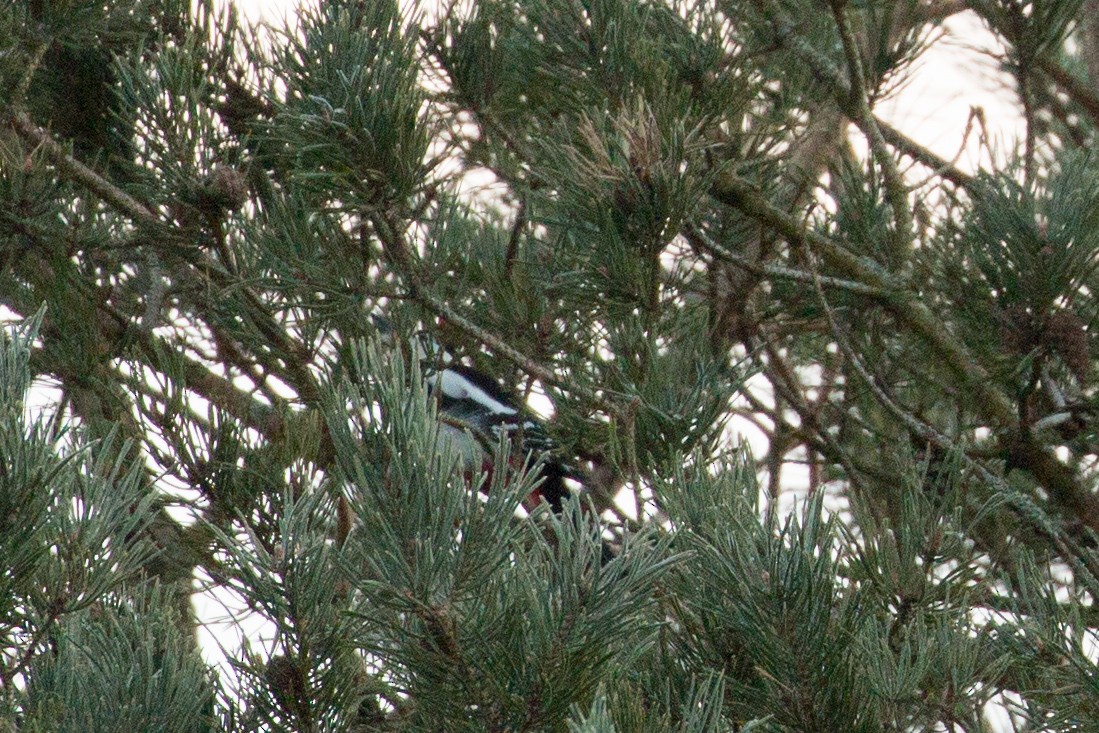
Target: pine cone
{"x": 288, "y": 687}
{"x": 225, "y": 189}
{"x": 1017, "y": 332}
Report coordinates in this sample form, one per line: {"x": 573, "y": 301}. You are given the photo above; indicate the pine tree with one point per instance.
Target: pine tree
{"x": 649, "y": 215}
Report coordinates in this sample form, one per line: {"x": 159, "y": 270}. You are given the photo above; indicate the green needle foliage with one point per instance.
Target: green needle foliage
{"x": 226, "y": 501}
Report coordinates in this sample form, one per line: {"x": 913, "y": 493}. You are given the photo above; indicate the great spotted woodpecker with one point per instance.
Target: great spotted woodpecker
{"x": 475, "y": 413}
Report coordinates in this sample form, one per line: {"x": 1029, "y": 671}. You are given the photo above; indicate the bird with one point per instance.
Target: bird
{"x": 476, "y": 412}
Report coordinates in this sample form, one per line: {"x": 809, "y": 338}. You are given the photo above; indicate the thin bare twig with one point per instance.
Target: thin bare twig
{"x": 697, "y": 238}
{"x": 19, "y": 95}
{"x": 895, "y": 190}
{"x": 402, "y": 257}
{"x": 1081, "y": 559}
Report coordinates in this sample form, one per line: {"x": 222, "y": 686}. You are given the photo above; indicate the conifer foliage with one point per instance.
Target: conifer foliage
{"x": 649, "y": 220}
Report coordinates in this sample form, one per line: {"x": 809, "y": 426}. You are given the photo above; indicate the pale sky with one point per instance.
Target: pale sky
{"x": 955, "y": 76}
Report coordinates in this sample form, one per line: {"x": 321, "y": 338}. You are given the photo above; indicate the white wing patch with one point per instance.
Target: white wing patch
{"x": 456, "y": 387}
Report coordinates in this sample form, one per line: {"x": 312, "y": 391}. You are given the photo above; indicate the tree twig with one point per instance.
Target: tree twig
{"x": 778, "y": 271}
{"x": 896, "y": 192}
{"x": 402, "y": 257}
{"x": 1079, "y": 557}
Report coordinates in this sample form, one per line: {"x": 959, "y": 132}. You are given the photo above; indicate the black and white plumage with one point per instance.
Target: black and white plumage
{"x": 475, "y": 412}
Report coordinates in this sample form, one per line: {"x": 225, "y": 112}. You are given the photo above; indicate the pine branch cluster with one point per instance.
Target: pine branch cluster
{"x": 651, "y": 221}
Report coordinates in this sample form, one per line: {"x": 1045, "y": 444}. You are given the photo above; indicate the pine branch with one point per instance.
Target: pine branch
{"x": 697, "y": 238}
{"x": 1076, "y": 89}
{"x": 859, "y": 103}
{"x": 785, "y": 37}
{"x": 296, "y": 357}
{"x": 743, "y": 196}
{"x": 401, "y": 255}
{"x": 76, "y": 171}
{"x": 938, "y": 165}
{"x": 984, "y": 396}
{"x": 1080, "y": 503}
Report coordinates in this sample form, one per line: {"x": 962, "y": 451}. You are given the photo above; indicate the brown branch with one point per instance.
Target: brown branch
{"x": 911, "y": 148}
{"x": 788, "y": 387}
{"x": 699, "y": 240}
{"x": 295, "y": 357}
{"x": 401, "y": 255}
{"x": 82, "y": 174}
{"x": 742, "y": 195}
{"x": 1078, "y": 90}
{"x": 513, "y": 239}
